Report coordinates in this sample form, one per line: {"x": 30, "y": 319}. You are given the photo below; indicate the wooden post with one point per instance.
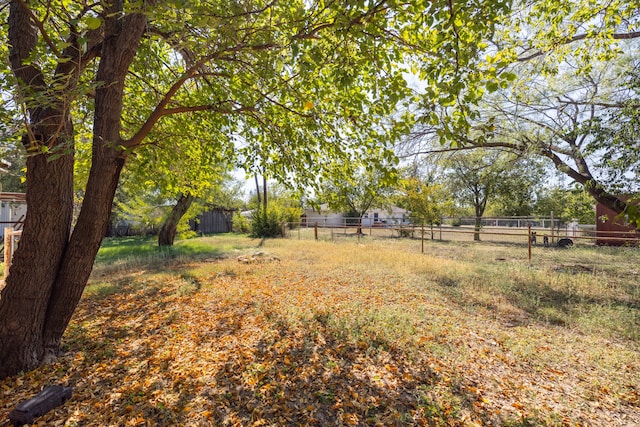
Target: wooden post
{"x": 8, "y": 250}
{"x": 315, "y": 230}
{"x": 422, "y": 238}
{"x": 552, "y": 236}
{"x": 529, "y": 241}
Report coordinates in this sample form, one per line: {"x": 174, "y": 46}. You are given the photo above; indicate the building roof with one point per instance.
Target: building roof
{"x": 13, "y": 197}
{"x": 4, "y": 164}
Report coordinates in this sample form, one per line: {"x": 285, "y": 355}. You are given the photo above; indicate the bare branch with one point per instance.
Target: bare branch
{"x": 569, "y": 40}
{"x": 598, "y": 104}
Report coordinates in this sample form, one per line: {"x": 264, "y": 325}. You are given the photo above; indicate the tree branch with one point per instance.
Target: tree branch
{"x": 598, "y": 104}
{"x": 214, "y": 108}
{"x": 569, "y": 40}
{"x": 40, "y": 26}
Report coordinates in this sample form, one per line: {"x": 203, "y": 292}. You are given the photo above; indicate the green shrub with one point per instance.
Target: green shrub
{"x": 241, "y": 224}
{"x": 268, "y": 223}
{"x": 184, "y": 230}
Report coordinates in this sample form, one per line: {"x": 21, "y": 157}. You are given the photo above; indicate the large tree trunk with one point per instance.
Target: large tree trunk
{"x": 24, "y": 299}
{"x": 107, "y": 161}
{"x": 49, "y": 270}
{"x": 169, "y": 228}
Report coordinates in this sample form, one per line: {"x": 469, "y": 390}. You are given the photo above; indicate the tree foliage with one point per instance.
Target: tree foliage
{"x": 355, "y": 194}
{"x": 283, "y": 211}
{"x": 13, "y": 179}
{"x": 428, "y": 201}
{"x": 567, "y": 205}
{"x": 564, "y": 89}
{"x": 520, "y": 187}
{"x": 479, "y": 176}
{"x": 293, "y": 85}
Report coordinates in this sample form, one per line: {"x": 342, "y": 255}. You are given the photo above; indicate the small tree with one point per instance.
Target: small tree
{"x": 516, "y": 194}
{"x": 478, "y": 176}
{"x": 284, "y": 207}
{"x": 354, "y": 194}
{"x": 428, "y": 202}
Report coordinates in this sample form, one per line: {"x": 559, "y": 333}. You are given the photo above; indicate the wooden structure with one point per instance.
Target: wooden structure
{"x": 614, "y": 231}
{"x": 216, "y": 220}
{"x": 13, "y": 208}
{"x": 11, "y": 238}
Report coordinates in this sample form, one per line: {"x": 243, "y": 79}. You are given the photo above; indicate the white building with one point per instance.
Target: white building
{"x": 13, "y": 208}
{"x": 385, "y": 216}
{"x": 373, "y": 217}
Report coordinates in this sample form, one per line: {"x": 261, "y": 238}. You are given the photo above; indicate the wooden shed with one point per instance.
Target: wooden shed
{"x": 215, "y": 220}
{"x": 612, "y": 230}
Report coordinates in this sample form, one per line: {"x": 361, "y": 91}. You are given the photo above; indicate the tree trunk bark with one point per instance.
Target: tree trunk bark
{"x": 118, "y": 51}
{"x": 479, "y": 202}
{"x": 264, "y": 190}
{"x": 589, "y": 183}
{"x": 607, "y": 199}
{"x": 49, "y": 270}
{"x": 476, "y": 229}
{"x": 169, "y": 228}
{"x": 258, "y": 190}
{"x": 36, "y": 262}
{"x": 81, "y": 251}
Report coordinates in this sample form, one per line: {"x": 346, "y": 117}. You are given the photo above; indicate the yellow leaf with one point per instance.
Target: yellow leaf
{"x": 308, "y": 105}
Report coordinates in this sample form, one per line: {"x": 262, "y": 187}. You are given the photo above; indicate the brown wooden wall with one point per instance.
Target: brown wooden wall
{"x": 613, "y": 231}
{"x": 217, "y": 220}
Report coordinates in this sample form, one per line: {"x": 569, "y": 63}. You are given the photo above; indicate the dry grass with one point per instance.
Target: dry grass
{"x": 354, "y": 333}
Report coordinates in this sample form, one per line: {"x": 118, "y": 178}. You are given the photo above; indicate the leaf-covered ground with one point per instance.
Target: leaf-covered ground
{"x": 374, "y": 333}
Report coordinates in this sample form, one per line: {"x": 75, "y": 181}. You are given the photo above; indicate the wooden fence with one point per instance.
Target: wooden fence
{"x": 527, "y": 236}
{"x": 11, "y": 238}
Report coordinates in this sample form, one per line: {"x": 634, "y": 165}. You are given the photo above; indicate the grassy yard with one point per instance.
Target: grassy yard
{"x": 227, "y": 330}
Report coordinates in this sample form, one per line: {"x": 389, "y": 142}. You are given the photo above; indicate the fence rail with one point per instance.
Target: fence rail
{"x": 527, "y": 236}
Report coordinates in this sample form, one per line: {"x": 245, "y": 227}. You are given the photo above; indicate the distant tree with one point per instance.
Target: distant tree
{"x": 151, "y": 206}
{"x": 478, "y": 176}
{"x": 567, "y": 205}
{"x": 13, "y": 180}
{"x": 427, "y": 201}
{"x": 516, "y": 195}
{"x": 354, "y": 193}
